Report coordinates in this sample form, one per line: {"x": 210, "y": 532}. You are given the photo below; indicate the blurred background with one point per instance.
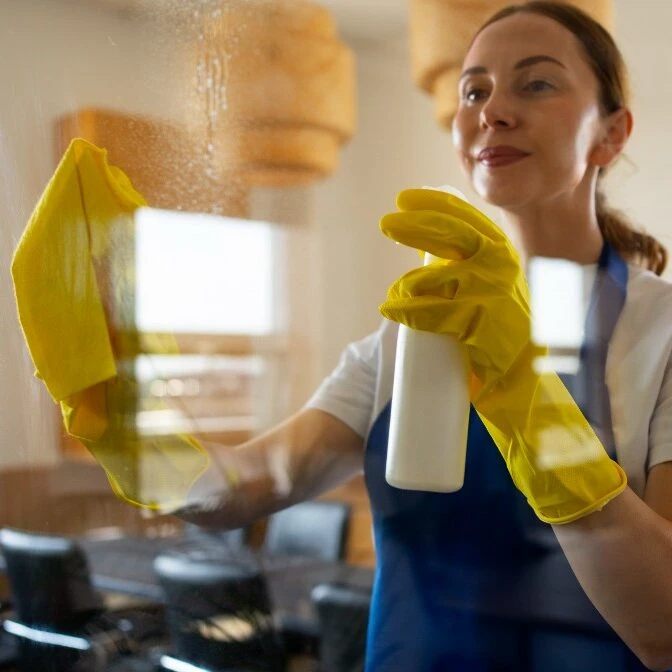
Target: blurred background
{"x": 268, "y": 139}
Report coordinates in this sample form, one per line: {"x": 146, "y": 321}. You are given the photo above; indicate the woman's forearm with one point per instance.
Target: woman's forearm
{"x": 303, "y": 457}
{"x": 622, "y": 556}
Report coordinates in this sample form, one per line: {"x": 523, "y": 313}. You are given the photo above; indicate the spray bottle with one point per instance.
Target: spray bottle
{"x": 429, "y": 419}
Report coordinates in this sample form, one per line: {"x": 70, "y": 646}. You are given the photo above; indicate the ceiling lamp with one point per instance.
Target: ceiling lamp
{"x": 441, "y": 31}
{"x": 276, "y": 90}
{"x": 159, "y": 157}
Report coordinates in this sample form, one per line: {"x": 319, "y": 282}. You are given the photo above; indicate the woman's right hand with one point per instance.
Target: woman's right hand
{"x": 303, "y": 457}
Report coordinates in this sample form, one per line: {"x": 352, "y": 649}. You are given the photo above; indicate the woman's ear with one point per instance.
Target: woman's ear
{"x": 617, "y": 130}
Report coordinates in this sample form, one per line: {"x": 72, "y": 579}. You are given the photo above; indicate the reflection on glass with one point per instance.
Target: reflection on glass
{"x": 560, "y": 294}
{"x": 208, "y": 282}
{"x": 203, "y": 273}
{"x": 198, "y": 394}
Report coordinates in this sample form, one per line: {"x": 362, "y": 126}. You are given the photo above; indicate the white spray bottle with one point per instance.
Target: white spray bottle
{"x": 429, "y": 420}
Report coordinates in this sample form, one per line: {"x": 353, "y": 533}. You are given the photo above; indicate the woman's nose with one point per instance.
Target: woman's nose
{"x": 497, "y": 112}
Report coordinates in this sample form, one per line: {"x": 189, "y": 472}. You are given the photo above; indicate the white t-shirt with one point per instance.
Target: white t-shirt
{"x": 638, "y": 377}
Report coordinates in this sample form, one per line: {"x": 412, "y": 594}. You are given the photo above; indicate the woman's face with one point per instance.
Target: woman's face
{"x": 529, "y": 116}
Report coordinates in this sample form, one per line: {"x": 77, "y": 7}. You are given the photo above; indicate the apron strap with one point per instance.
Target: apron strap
{"x": 589, "y": 387}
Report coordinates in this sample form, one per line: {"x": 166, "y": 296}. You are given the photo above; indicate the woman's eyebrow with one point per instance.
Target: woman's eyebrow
{"x": 525, "y": 63}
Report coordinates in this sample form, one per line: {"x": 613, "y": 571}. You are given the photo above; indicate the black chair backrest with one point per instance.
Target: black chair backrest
{"x": 219, "y": 615}
{"x": 229, "y": 539}
{"x": 343, "y": 612}
{"x": 49, "y": 579}
{"x": 313, "y": 529}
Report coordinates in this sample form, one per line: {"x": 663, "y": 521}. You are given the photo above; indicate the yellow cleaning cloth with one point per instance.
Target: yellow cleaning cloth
{"x": 86, "y": 209}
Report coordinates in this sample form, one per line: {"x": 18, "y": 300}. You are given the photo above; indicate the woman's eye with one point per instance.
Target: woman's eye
{"x": 537, "y": 85}
{"x": 474, "y": 94}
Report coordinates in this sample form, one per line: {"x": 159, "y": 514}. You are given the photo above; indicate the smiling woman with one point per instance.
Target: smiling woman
{"x": 542, "y": 114}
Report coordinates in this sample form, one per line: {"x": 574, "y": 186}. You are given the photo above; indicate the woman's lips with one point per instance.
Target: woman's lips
{"x": 494, "y": 157}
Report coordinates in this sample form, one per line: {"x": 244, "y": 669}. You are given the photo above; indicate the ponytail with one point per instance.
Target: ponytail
{"x": 634, "y": 246}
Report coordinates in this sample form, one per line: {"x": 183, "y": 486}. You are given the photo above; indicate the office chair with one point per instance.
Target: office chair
{"x": 219, "y": 616}
{"x": 311, "y": 529}
{"x": 343, "y": 612}
{"x": 232, "y": 540}
{"x": 59, "y": 621}
{"x": 49, "y": 580}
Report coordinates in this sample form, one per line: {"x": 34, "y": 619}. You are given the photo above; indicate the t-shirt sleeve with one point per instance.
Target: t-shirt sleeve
{"x": 660, "y": 428}
{"x": 348, "y": 392}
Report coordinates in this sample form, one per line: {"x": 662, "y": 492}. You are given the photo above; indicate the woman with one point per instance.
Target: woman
{"x": 542, "y": 114}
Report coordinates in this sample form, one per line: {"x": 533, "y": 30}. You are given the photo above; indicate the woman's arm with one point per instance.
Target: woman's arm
{"x": 622, "y": 557}
{"x": 307, "y": 455}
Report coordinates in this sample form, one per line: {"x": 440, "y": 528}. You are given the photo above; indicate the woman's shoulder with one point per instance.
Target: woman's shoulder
{"x": 373, "y": 349}
{"x": 649, "y": 289}
{"x": 373, "y": 341}
{"x": 648, "y": 305}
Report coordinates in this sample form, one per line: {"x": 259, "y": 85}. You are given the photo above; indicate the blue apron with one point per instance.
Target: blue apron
{"x": 488, "y": 521}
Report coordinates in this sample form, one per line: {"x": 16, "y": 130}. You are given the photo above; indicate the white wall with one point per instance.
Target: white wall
{"x": 641, "y": 187}
{"x": 397, "y": 145}
{"x": 55, "y": 57}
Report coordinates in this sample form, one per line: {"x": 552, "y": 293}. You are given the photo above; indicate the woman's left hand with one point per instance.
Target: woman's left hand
{"x": 477, "y": 292}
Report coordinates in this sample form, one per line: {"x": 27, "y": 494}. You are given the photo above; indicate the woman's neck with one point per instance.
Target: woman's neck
{"x": 558, "y": 230}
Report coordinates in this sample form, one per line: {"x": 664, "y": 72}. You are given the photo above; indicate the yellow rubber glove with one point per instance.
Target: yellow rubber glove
{"x": 477, "y": 292}
{"x": 84, "y": 213}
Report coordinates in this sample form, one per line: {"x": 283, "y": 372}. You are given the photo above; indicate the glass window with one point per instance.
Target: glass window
{"x": 196, "y": 381}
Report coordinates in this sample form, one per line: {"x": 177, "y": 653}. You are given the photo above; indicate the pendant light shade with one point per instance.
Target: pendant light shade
{"x": 278, "y": 88}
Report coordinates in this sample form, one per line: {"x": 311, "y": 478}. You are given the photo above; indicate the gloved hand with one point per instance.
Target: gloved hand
{"x": 78, "y": 233}
{"x": 476, "y": 291}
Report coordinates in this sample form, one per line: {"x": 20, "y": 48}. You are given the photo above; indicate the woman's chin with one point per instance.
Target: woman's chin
{"x": 508, "y": 196}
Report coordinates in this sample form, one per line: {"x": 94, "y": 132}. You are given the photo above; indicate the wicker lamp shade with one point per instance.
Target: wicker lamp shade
{"x": 287, "y": 99}
{"x": 441, "y": 31}
{"x": 160, "y": 159}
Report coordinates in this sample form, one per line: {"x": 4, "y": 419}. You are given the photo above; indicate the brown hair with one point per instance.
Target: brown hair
{"x": 606, "y": 62}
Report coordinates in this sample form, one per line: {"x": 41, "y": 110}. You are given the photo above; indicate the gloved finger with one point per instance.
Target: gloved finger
{"x": 442, "y": 235}
{"x": 473, "y": 324}
{"x": 439, "y": 201}
{"x": 438, "y": 279}
{"x": 446, "y": 278}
